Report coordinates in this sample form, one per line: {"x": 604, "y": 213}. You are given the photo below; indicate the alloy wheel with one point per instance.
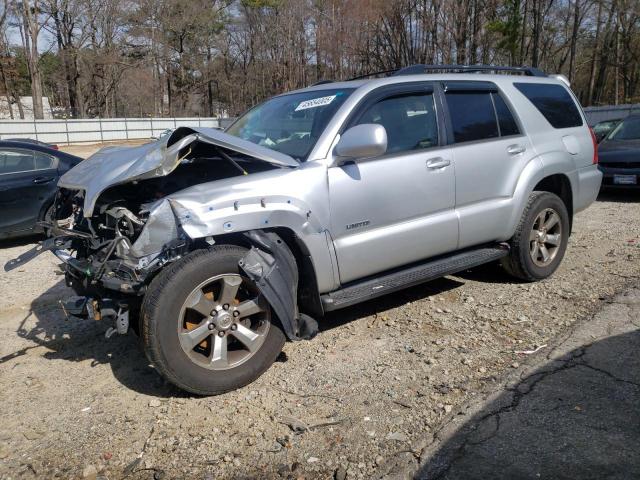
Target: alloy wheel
{"x": 223, "y": 322}
{"x": 545, "y": 237}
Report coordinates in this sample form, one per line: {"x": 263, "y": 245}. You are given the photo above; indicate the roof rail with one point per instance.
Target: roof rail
{"x": 321, "y": 82}
{"x": 382, "y": 72}
{"x": 417, "y": 69}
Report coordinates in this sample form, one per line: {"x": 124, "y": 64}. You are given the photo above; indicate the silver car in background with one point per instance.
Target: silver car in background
{"x": 218, "y": 246}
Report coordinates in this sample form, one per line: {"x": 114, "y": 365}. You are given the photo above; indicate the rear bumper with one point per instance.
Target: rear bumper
{"x": 609, "y": 173}
{"x": 589, "y": 180}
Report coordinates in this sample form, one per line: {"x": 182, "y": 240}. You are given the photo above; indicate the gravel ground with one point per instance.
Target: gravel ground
{"x": 361, "y": 400}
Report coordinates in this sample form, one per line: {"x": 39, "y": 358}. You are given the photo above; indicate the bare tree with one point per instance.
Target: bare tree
{"x": 30, "y": 27}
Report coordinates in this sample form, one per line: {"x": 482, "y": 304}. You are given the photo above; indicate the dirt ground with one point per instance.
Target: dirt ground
{"x": 359, "y": 401}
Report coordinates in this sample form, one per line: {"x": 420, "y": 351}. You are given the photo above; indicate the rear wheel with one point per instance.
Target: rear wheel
{"x": 540, "y": 241}
{"x": 206, "y": 327}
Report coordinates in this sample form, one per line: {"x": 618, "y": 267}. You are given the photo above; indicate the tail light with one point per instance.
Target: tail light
{"x": 595, "y": 146}
{"x": 55, "y": 147}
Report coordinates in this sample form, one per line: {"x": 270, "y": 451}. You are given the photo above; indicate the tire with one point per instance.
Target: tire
{"x": 47, "y": 217}
{"x": 526, "y": 261}
{"x": 174, "y": 318}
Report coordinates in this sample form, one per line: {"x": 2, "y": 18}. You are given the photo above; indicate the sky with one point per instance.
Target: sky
{"x": 46, "y": 41}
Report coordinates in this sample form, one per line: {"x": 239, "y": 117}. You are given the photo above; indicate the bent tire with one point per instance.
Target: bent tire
{"x": 540, "y": 241}
{"x": 205, "y": 326}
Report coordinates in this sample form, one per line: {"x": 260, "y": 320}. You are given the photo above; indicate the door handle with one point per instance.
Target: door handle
{"x": 516, "y": 149}
{"x": 437, "y": 162}
{"x": 42, "y": 180}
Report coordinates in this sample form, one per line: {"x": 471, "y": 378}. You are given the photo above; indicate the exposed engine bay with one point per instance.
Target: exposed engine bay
{"x": 109, "y": 257}
{"x": 102, "y": 244}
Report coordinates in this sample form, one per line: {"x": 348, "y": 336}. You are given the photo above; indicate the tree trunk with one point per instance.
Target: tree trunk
{"x": 574, "y": 40}
{"x": 5, "y": 83}
{"x": 31, "y": 50}
{"x": 537, "y": 26}
{"x": 594, "y": 55}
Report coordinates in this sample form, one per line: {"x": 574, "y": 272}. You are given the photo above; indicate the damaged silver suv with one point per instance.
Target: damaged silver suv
{"x": 216, "y": 246}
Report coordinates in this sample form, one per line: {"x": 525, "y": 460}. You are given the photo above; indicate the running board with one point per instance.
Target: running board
{"x": 391, "y": 282}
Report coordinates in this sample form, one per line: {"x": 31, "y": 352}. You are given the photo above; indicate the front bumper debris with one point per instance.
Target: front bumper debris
{"x": 104, "y": 309}
{"x": 56, "y": 243}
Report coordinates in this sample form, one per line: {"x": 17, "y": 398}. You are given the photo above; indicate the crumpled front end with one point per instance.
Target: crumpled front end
{"x": 121, "y": 237}
{"x": 114, "y": 243}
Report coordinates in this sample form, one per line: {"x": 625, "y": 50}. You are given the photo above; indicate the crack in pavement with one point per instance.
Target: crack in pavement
{"x": 518, "y": 395}
{"x": 442, "y": 461}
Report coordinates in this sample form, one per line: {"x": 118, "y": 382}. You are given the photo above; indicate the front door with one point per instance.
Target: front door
{"x": 398, "y": 208}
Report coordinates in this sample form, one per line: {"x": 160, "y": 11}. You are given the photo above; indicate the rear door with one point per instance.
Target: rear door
{"x": 490, "y": 151}
{"x": 27, "y": 184}
{"x": 397, "y": 208}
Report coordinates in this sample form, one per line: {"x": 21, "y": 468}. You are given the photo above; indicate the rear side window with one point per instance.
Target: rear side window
{"x": 554, "y": 102}
{"x": 479, "y": 116}
{"x": 43, "y": 161}
{"x": 410, "y": 121}
{"x": 15, "y": 161}
{"x": 506, "y": 122}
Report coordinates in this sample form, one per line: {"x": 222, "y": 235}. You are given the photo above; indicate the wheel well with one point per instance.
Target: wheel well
{"x": 560, "y": 185}
{"x": 308, "y": 295}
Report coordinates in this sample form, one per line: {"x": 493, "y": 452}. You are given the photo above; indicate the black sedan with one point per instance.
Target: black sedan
{"x": 619, "y": 154}
{"x": 29, "y": 173}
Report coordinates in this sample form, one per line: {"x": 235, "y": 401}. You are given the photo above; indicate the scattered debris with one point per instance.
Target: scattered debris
{"x": 397, "y": 436}
{"x": 530, "y": 352}
{"x": 90, "y": 472}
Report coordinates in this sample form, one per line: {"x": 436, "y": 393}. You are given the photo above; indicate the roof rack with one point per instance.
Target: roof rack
{"x": 381, "y": 72}
{"x": 321, "y": 82}
{"x": 420, "y": 68}
{"x": 417, "y": 69}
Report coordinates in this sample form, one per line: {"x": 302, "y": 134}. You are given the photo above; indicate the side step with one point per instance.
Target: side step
{"x": 391, "y": 282}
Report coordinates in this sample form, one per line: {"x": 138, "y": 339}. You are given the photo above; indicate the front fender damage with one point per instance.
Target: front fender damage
{"x": 272, "y": 266}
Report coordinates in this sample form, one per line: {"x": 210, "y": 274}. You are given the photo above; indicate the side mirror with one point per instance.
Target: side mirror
{"x": 362, "y": 141}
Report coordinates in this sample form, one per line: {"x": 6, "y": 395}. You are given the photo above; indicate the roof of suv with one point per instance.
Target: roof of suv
{"x": 425, "y": 77}
{"x": 431, "y": 77}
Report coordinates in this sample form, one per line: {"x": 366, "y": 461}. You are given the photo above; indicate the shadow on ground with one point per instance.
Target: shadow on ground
{"x": 20, "y": 241}
{"x": 76, "y": 340}
{"x": 620, "y": 195}
{"x": 575, "y": 418}
{"x": 387, "y": 302}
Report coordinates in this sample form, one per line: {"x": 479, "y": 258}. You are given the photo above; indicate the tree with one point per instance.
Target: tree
{"x": 30, "y": 26}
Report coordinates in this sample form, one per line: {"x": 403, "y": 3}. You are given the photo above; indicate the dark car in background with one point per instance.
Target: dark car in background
{"x": 33, "y": 141}
{"x": 29, "y": 173}
{"x": 602, "y": 129}
{"x": 619, "y": 154}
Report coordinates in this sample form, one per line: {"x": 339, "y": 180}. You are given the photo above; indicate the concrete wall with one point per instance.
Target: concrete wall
{"x": 99, "y": 130}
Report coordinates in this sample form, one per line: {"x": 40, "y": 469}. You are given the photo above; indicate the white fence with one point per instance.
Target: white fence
{"x": 610, "y": 112}
{"x": 99, "y": 129}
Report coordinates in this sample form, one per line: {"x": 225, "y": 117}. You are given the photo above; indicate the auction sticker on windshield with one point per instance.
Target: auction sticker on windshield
{"x": 315, "y": 102}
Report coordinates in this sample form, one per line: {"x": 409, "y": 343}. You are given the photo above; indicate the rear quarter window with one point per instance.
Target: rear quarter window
{"x": 472, "y": 116}
{"x": 554, "y": 102}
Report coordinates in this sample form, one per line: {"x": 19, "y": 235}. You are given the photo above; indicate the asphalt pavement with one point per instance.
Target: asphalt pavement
{"x": 575, "y": 414}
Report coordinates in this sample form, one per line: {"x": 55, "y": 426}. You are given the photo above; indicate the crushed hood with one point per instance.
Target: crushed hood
{"x": 116, "y": 165}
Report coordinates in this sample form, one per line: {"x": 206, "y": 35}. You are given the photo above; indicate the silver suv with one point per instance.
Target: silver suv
{"x": 217, "y": 246}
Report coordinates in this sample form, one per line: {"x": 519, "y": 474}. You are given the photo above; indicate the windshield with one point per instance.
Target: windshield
{"x": 628, "y": 129}
{"x": 290, "y": 124}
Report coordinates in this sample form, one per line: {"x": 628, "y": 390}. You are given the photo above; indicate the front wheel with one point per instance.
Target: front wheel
{"x": 540, "y": 241}
{"x": 205, "y": 325}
